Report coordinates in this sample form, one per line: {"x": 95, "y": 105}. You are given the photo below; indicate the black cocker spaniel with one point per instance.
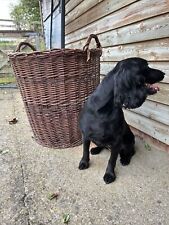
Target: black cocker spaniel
{"x": 102, "y": 120}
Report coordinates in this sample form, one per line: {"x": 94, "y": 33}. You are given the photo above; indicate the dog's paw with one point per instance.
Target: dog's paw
{"x": 96, "y": 150}
{"x": 125, "y": 161}
{"x": 109, "y": 178}
{"x": 83, "y": 165}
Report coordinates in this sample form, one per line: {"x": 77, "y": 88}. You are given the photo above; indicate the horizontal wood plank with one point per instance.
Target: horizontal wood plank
{"x": 86, "y": 13}
{"x": 164, "y": 66}
{"x": 162, "y": 96}
{"x": 81, "y": 9}
{"x": 130, "y": 14}
{"x": 156, "y": 50}
{"x": 78, "y": 44}
{"x": 155, "y": 129}
{"x": 105, "y": 67}
{"x": 71, "y": 5}
{"x": 154, "y": 111}
{"x": 153, "y": 28}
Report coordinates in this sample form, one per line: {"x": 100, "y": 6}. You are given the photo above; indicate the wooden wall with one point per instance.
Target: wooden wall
{"x": 128, "y": 28}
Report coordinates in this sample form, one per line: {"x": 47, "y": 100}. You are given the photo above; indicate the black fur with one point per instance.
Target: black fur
{"x": 102, "y": 120}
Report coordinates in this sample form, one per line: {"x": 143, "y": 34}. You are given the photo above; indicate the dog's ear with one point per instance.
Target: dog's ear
{"x": 129, "y": 91}
{"x": 122, "y": 85}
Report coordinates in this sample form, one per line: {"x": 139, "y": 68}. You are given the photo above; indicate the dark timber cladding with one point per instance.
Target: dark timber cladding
{"x": 128, "y": 28}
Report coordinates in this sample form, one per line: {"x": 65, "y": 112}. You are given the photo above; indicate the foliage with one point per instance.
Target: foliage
{"x": 6, "y": 43}
{"x": 26, "y": 14}
{"x": 7, "y": 80}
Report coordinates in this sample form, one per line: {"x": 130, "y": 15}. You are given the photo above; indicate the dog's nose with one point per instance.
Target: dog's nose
{"x": 162, "y": 75}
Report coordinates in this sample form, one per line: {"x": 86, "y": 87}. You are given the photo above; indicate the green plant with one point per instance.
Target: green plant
{"x": 26, "y": 14}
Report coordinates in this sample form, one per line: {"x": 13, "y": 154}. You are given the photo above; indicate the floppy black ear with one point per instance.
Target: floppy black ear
{"x": 122, "y": 85}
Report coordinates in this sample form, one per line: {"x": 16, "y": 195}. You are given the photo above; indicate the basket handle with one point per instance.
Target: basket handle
{"x": 86, "y": 46}
{"x": 18, "y": 49}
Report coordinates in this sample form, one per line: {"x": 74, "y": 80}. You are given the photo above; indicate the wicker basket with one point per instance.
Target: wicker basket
{"x": 54, "y": 85}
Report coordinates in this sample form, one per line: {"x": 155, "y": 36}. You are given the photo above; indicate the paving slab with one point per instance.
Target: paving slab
{"x": 30, "y": 173}
{"x": 12, "y": 206}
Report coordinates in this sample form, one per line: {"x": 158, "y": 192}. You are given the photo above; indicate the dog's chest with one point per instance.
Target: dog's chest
{"x": 103, "y": 132}
{"x": 103, "y": 127}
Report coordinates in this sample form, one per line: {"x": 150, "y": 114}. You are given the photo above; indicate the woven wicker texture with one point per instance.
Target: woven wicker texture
{"x": 54, "y": 85}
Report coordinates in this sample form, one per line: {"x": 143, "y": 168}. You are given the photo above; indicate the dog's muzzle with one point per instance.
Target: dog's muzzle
{"x": 152, "y": 89}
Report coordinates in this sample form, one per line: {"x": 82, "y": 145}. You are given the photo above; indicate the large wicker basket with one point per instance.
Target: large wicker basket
{"x": 54, "y": 85}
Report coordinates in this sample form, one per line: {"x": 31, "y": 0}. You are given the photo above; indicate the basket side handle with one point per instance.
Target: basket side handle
{"x": 18, "y": 49}
{"x": 86, "y": 46}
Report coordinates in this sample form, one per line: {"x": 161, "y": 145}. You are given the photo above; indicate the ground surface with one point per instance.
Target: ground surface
{"x": 29, "y": 173}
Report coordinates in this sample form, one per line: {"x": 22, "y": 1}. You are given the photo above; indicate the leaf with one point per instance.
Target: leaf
{"x": 13, "y": 121}
{"x": 147, "y": 146}
{"x": 66, "y": 218}
{"x": 53, "y": 195}
{"x": 4, "y": 152}
{"x": 26, "y": 14}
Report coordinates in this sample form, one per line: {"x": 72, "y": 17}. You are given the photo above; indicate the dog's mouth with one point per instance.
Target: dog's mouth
{"x": 152, "y": 88}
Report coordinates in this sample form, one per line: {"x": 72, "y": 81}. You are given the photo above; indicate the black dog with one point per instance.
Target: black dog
{"x": 102, "y": 120}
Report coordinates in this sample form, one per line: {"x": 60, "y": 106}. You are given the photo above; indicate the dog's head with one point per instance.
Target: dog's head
{"x": 133, "y": 81}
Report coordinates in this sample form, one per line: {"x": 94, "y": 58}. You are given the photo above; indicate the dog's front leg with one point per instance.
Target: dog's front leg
{"x": 110, "y": 175}
{"x": 84, "y": 163}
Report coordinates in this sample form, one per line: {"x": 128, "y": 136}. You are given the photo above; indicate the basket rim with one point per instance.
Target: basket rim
{"x": 54, "y": 51}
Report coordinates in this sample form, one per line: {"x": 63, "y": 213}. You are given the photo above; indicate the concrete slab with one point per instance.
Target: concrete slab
{"x": 12, "y": 207}
{"x": 29, "y": 173}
